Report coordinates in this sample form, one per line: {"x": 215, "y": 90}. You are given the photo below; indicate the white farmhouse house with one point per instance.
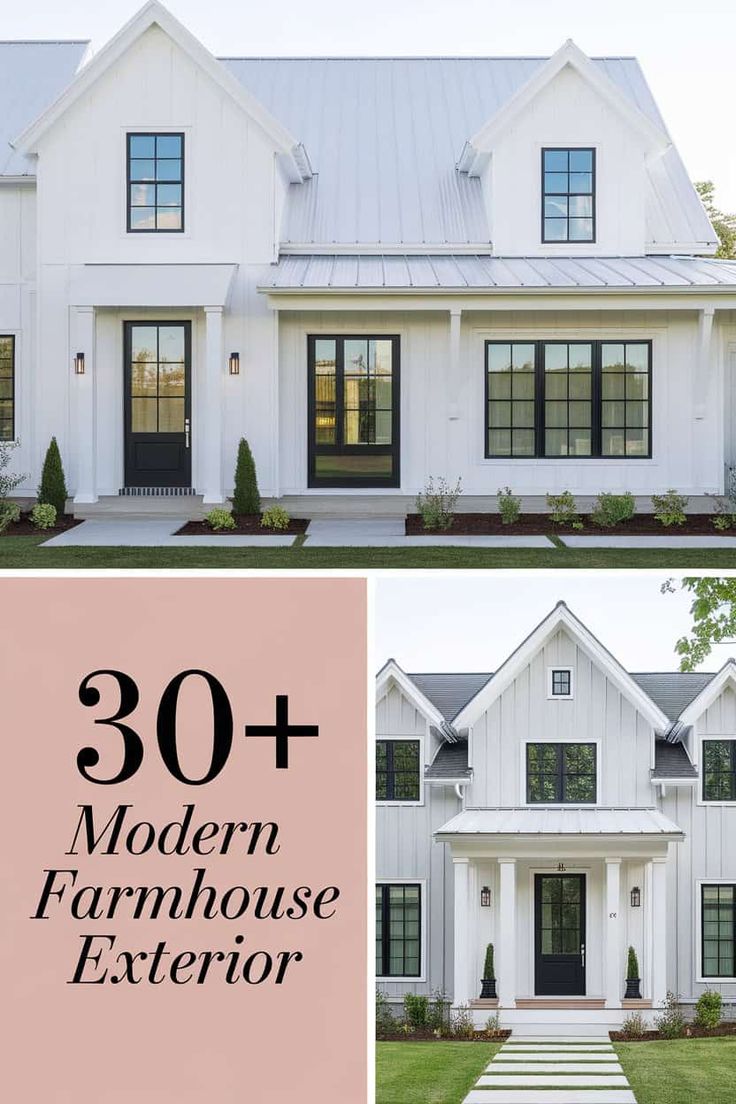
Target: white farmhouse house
{"x": 563, "y": 810}
{"x": 375, "y": 269}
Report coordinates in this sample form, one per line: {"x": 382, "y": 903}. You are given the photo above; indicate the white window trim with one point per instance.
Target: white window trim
{"x": 423, "y": 940}
{"x": 560, "y": 697}
{"x": 562, "y": 804}
{"x": 699, "y": 766}
{"x": 698, "y": 928}
{"x": 154, "y": 128}
{"x": 422, "y": 745}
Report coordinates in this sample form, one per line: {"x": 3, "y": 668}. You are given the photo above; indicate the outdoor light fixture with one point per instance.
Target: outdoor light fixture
{"x": 485, "y": 897}
{"x": 79, "y": 364}
{"x": 234, "y": 364}
{"x": 635, "y": 897}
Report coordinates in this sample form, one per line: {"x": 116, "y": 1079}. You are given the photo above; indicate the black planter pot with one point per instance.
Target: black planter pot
{"x": 488, "y": 989}
{"x": 633, "y": 991}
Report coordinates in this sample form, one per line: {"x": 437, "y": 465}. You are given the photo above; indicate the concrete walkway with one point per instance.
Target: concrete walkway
{"x": 648, "y": 542}
{"x": 135, "y": 531}
{"x": 566, "y": 1069}
{"x": 389, "y": 533}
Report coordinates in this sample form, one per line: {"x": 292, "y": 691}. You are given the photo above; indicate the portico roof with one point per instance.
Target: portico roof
{"x": 152, "y": 285}
{"x": 521, "y": 821}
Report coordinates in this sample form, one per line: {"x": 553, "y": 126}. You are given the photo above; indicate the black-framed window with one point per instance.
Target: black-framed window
{"x": 568, "y": 195}
{"x": 397, "y": 770}
{"x": 561, "y": 774}
{"x": 561, "y": 682}
{"x": 719, "y": 770}
{"x": 7, "y": 388}
{"x": 568, "y": 399}
{"x": 718, "y": 930}
{"x": 155, "y": 173}
{"x": 398, "y": 930}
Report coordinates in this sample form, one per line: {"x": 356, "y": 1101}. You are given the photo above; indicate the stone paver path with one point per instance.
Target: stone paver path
{"x": 553, "y": 1070}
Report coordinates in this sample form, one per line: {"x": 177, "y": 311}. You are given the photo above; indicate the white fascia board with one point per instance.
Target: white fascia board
{"x": 155, "y": 14}
{"x": 391, "y": 673}
{"x": 709, "y": 693}
{"x": 567, "y": 55}
{"x": 559, "y": 617}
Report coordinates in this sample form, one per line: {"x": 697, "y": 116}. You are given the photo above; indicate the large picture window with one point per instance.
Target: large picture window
{"x": 397, "y": 770}
{"x": 568, "y": 195}
{"x": 155, "y": 183}
{"x": 7, "y": 388}
{"x": 561, "y": 774}
{"x": 718, "y": 923}
{"x": 568, "y": 399}
{"x": 719, "y": 770}
{"x": 398, "y": 930}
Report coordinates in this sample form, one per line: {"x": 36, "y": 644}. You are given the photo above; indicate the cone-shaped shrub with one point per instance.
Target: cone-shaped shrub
{"x": 52, "y": 488}
{"x": 246, "y": 499}
{"x": 488, "y": 968}
{"x": 632, "y": 966}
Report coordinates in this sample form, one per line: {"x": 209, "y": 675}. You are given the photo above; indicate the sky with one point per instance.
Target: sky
{"x": 686, "y": 48}
{"x": 472, "y": 622}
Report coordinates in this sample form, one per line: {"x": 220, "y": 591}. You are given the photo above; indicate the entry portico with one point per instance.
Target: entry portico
{"x": 562, "y": 912}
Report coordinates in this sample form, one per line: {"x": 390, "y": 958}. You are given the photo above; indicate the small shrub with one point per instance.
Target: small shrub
{"x": 493, "y": 1026}
{"x": 219, "y": 519}
{"x": 509, "y": 506}
{"x": 438, "y": 1016}
{"x": 724, "y": 521}
{"x": 246, "y": 496}
{"x": 725, "y": 514}
{"x": 461, "y": 1023}
{"x": 670, "y": 1022}
{"x": 43, "y": 515}
{"x": 488, "y": 965}
{"x": 669, "y": 508}
{"x": 9, "y": 514}
{"x": 612, "y": 509}
{"x": 437, "y": 503}
{"x": 632, "y": 964}
{"x": 275, "y": 517}
{"x": 8, "y": 481}
{"x": 52, "y": 488}
{"x": 385, "y": 1022}
{"x": 563, "y": 509}
{"x": 416, "y": 1009}
{"x": 633, "y": 1026}
{"x": 406, "y": 1027}
{"x": 708, "y": 1009}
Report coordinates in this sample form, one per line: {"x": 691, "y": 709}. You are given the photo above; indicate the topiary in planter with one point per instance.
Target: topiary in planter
{"x": 246, "y": 497}
{"x": 488, "y": 981}
{"x": 633, "y": 982}
{"x": 52, "y": 488}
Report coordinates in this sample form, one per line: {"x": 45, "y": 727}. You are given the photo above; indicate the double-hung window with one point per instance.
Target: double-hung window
{"x": 7, "y": 388}
{"x": 398, "y": 930}
{"x": 561, "y": 774}
{"x": 718, "y": 930}
{"x": 568, "y": 399}
{"x": 719, "y": 770}
{"x": 397, "y": 770}
{"x": 568, "y": 195}
{"x": 155, "y": 183}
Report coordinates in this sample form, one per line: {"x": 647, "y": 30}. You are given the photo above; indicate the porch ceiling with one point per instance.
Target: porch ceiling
{"x": 483, "y": 824}
{"x": 152, "y": 285}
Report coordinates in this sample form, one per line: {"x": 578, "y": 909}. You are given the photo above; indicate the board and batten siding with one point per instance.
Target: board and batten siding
{"x": 406, "y": 851}
{"x": 18, "y": 303}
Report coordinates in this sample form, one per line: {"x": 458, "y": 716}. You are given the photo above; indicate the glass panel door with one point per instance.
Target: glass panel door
{"x": 559, "y": 910}
{"x": 157, "y": 404}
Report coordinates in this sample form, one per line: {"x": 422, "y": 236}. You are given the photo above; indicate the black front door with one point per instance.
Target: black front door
{"x": 158, "y": 404}
{"x": 353, "y": 411}
{"x": 559, "y": 935}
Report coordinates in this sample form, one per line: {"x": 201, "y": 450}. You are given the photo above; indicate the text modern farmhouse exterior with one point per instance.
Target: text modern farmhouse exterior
{"x": 375, "y": 269}
{"x": 563, "y": 810}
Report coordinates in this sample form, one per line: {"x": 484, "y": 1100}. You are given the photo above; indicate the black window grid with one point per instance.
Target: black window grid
{"x": 719, "y": 770}
{"x": 568, "y": 194}
{"x": 558, "y": 782}
{"x": 155, "y": 182}
{"x": 7, "y": 387}
{"x": 561, "y": 683}
{"x": 394, "y": 781}
{"x": 718, "y": 930}
{"x": 398, "y": 918}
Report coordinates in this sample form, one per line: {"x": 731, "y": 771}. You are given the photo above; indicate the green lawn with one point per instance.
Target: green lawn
{"x": 429, "y": 1073}
{"x": 683, "y": 1071}
{"x": 23, "y": 552}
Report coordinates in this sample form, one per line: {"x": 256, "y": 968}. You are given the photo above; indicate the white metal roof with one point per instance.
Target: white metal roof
{"x": 521, "y": 821}
{"x": 32, "y": 76}
{"x": 443, "y": 271}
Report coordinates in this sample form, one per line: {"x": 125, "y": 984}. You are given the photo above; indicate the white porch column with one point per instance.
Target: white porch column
{"x": 209, "y": 433}
{"x": 659, "y": 930}
{"x": 506, "y": 928}
{"x": 461, "y": 989}
{"x": 613, "y": 933}
{"x": 83, "y": 405}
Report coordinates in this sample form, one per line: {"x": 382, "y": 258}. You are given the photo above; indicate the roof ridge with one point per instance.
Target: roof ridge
{"x": 412, "y": 57}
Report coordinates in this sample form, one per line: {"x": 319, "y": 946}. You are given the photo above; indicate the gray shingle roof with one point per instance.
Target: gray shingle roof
{"x": 449, "y": 692}
{"x": 671, "y": 761}
{"x": 451, "y": 761}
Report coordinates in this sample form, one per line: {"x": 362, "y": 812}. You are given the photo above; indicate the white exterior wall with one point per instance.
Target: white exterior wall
{"x": 18, "y": 302}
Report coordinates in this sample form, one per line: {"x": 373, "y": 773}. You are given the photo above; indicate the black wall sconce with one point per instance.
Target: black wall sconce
{"x": 636, "y": 897}
{"x": 79, "y": 364}
{"x": 234, "y": 364}
{"x": 485, "y": 897}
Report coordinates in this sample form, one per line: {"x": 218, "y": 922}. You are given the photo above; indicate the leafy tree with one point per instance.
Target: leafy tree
{"x": 246, "y": 498}
{"x": 714, "y": 618}
{"x": 52, "y": 489}
{"x": 723, "y": 224}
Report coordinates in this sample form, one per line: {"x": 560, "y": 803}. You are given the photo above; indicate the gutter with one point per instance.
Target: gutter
{"x": 464, "y": 291}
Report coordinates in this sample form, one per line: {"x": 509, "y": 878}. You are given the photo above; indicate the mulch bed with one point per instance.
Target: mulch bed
{"x": 691, "y": 1032}
{"x": 245, "y": 525}
{"x": 641, "y": 525}
{"x": 419, "y": 1036}
{"x": 26, "y": 528}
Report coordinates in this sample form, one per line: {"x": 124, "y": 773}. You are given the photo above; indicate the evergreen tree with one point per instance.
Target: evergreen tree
{"x": 246, "y": 498}
{"x": 52, "y": 488}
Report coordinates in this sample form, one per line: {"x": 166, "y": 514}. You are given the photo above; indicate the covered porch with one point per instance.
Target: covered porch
{"x": 561, "y": 893}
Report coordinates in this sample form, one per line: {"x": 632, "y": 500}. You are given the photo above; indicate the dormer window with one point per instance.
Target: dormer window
{"x": 155, "y": 183}
{"x": 568, "y": 195}
{"x": 559, "y": 682}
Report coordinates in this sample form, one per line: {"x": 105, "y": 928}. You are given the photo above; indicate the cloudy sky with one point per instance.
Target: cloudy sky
{"x": 472, "y": 622}
{"x": 687, "y": 48}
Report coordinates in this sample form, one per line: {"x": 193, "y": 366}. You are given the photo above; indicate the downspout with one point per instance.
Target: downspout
{"x": 460, "y": 791}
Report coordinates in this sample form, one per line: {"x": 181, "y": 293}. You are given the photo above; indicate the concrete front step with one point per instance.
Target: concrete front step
{"x": 552, "y": 1047}
{"x": 500, "y": 1065}
{"x": 550, "y": 1096}
{"x": 553, "y": 1080}
{"x": 550, "y": 1054}
{"x": 139, "y": 506}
